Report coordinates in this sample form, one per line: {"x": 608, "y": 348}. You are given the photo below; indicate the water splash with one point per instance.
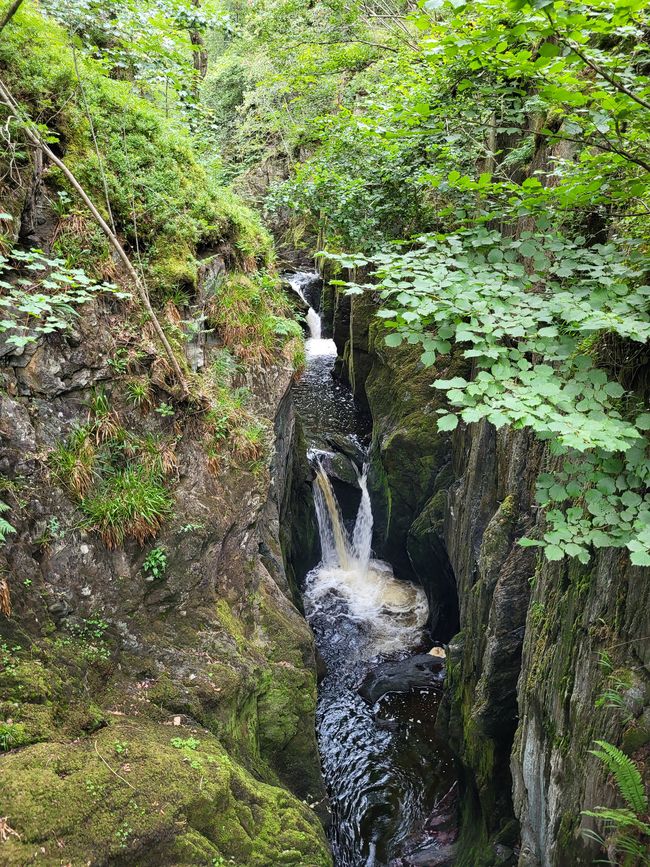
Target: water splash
{"x": 393, "y": 612}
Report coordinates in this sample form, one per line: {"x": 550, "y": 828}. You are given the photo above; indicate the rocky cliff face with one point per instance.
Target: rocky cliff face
{"x": 150, "y": 718}
{"x": 547, "y": 656}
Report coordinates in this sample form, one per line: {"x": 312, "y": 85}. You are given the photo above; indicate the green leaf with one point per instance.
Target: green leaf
{"x": 447, "y": 422}
{"x": 553, "y": 553}
{"x": 640, "y": 558}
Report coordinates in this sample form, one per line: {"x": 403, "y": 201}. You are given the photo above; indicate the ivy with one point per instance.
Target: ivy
{"x": 40, "y": 295}
{"x": 529, "y": 312}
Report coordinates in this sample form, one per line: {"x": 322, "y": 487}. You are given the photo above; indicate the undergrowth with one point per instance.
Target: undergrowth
{"x": 120, "y": 479}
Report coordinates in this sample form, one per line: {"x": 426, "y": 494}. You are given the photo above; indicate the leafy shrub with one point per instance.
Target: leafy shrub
{"x": 155, "y": 563}
{"x": 45, "y": 296}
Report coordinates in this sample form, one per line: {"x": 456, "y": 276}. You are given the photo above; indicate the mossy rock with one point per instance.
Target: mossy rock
{"x": 139, "y": 792}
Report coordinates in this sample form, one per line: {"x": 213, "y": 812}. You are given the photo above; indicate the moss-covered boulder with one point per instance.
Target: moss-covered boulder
{"x": 149, "y": 793}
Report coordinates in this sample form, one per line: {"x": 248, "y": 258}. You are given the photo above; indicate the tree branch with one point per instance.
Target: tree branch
{"x": 9, "y": 14}
{"x": 595, "y": 67}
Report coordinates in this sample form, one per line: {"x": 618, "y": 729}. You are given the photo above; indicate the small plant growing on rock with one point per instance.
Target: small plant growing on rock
{"x": 155, "y": 563}
{"x": 165, "y": 410}
{"x": 138, "y": 392}
{"x": 11, "y": 735}
{"x": 120, "y": 361}
{"x": 5, "y": 527}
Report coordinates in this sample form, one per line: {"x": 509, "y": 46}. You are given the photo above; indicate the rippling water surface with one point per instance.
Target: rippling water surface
{"x": 383, "y": 765}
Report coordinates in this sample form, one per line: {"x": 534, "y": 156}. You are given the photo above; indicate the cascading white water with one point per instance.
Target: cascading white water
{"x": 335, "y": 546}
{"x": 297, "y": 281}
{"x": 395, "y": 612}
{"x": 362, "y": 535}
{"x": 314, "y": 324}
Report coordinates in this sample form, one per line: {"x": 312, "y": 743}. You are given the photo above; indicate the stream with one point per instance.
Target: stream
{"x": 386, "y": 771}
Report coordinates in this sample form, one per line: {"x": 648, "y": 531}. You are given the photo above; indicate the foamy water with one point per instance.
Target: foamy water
{"x": 394, "y": 612}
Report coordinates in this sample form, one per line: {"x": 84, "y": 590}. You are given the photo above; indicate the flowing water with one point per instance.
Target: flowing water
{"x": 383, "y": 766}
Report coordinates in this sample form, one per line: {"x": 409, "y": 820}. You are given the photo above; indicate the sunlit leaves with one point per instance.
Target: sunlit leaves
{"x": 28, "y": 312}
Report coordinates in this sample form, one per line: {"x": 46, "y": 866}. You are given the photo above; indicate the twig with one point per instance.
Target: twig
{"x": 119, "y": 777}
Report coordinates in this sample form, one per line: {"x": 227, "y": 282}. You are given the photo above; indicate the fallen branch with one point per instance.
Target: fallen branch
{"x": 36, "y": 139}
{"x": 9, "y": 14}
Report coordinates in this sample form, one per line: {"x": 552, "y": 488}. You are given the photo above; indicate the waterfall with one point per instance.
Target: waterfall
{"x": 297, "y": 281}
{"x": 314, "y": 324}
{"x": 362, "y": 535}
{"x": 337, "y": 547}
{"x": 334, "y": 541}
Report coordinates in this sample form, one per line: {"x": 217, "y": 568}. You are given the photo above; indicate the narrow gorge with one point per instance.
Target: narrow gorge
{"x": 324, "y": 454}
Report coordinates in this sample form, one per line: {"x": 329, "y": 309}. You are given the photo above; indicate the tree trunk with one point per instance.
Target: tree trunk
{"x": 199, "y": 53}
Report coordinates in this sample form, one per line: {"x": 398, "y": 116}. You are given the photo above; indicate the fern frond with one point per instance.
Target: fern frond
{"x": 620, "y": 818}
{"x": 627, "y": 775}
{"x": 5, "y": 527}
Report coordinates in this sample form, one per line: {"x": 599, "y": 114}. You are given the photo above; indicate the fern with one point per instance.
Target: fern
{"x": 621, "y": 818}
{"x": 626, "y": 774}
{"x": 5, "y": 526}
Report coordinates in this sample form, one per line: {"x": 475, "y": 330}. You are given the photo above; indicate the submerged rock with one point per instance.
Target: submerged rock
{"x": 419, "y": 672}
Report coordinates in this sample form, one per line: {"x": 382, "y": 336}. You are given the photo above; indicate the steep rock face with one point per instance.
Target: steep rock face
{"x": 178, "y": 708}
{"x": 410, "y": 463}
{"x": 539, "y": 643}
{"x": 526, "y": 673}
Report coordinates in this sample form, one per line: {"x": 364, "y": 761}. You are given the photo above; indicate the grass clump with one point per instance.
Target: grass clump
{"x": 253, "y": 317}
{"x": 119, "y": 478}
{"x": 130, "y": 503}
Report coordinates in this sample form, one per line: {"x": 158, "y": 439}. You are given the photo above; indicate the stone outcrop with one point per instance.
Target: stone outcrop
{"x": 538, "y": 645}
{"x": 165, "y": 719}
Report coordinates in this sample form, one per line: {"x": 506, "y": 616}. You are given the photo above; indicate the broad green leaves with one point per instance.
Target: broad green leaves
{"x": 28, "y": 312}
{"x": 530, "y": 333}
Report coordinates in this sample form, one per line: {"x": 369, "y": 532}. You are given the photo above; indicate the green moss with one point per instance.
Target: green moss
{"x": 198, "y": 806}
{"x": 162, "y": 199}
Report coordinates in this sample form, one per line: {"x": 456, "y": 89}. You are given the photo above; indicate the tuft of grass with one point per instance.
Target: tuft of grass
{"x": 249, "y": 441}
{"x": 138, "y": 392}
{"x": 131, "y": 503}
{"x": 105, "y": 422}
{"x": 223, "y": 368}
{"x": 118, "y": 477}
{"x": 253, "y": 317}
{"x": 73, "y": 462}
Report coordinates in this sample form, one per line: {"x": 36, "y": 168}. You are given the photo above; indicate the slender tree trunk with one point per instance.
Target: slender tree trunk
{"x": 9, "y": 14}
{"x": 199, "y": 53}
{"x": 141, "y": 289}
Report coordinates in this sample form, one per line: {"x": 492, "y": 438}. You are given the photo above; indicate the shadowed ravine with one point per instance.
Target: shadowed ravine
{"x": 384, "y": 768}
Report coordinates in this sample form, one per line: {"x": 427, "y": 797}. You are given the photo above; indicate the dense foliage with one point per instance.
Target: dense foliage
{"x": 506, "y": 144}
